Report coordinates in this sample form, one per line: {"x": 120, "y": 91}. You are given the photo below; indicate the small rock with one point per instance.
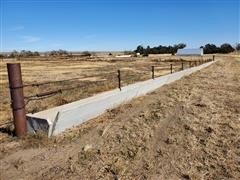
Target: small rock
{"x": 187, "y": 127}
{"x": 169, "y": 141}
{"x": 131, "y": 154}
{"x": 209, "y": 129}
{"x": 87, "y": 147}
{"x": 185, "y": 176}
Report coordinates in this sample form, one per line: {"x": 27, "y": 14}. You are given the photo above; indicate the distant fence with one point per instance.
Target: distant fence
{"x": 19, "y": 101}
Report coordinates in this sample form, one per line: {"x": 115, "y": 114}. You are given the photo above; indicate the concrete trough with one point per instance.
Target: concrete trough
{"x": 58, "y": 119}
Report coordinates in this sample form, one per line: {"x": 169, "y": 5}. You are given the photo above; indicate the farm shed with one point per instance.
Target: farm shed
{"x": 190, "y": 52}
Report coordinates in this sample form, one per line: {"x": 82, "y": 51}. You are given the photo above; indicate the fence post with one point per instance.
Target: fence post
{"x": 119, "y": 80}
{"x": 190, "y": 64}
{"x": 182, "y": 66}
{"x": 17, "y": 98}
{"x": 171, "y": 68}
{"x": 152, "y": 72}
{"x": 195, "y": 63}
{"x": 213, "y": 57}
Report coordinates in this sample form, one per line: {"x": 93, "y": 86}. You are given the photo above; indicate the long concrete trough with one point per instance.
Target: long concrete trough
{"x": 58, "y": 119}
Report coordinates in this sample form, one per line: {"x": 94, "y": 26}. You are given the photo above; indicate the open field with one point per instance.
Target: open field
{"x": 189, "y": 129}
{"x": 96, "y": 74}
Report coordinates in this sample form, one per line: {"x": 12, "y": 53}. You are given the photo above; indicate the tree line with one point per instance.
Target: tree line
{"x": 159, "y": 49}
{"x": 224, "y": 48}
{"x": 23, "y": 53}
{"x": 60, "y": 52}
{"x": 208, "y": 49}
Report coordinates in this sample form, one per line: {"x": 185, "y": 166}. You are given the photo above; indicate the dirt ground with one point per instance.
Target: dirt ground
{"x": 189, "y": 129}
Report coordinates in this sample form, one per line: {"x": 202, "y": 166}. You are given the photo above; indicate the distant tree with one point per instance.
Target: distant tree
{"x": 238, "y": 47}
{"x": 86, "y": 53}
{"x": 160, "y": 49}
{"x": 60, "y": 52}
{"x": 13, "y": 54}
{"x": 226, "y": 48}
{"x": 181, "y": 45}
{"x": 148, "y": 50}
{"x": 140, "y": 49}
{"x": 52, "y": 53}
{"x": 25, "y": 53}
{"x": 210, "y": 49}
{"x": 35, "y": 53}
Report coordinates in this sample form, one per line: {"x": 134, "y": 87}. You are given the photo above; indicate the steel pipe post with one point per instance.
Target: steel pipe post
{"x": 152, "y": 72}
{"x": 17, "y": 98}
{"x": 119, "y": 80}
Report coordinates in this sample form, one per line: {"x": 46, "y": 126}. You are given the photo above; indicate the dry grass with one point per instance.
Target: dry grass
{"x": 188, "y": 129}
{"x": 96, "y": 74}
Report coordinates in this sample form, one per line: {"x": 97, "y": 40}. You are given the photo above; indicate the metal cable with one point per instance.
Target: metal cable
{"x": 52, "y": 93}
{"x": 49, "y": 82}
{"x": 9, "y": 122}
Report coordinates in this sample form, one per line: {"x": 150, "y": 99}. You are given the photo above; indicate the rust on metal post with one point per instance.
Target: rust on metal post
{"x": 17, "y": 98}
{"x": 182, "y": 66}
{"x": 195, "y": 63}
{"x": 152, "y": 72}
{"x": 213, "y": 57}
{"x": 171, "y": 68}
{"x": 119, "y": 80}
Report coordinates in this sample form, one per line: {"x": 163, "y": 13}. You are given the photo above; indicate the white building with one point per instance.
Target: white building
{"x": 190, "y": 52}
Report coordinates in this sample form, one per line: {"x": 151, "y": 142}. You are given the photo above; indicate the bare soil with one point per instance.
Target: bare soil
{"x": 189, "y": 129}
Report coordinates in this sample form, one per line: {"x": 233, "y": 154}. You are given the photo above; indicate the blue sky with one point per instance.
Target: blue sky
{"x": 99, "y": 25}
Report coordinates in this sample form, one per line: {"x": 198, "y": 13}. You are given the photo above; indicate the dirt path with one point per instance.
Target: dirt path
{"x": 186, "y": 130}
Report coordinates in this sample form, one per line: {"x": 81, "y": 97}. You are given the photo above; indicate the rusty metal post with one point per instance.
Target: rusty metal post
{"x": 171, "y": 68}
{"x": 17, "y": 98}
{"x": 152, "y": 72}
{"x": 182, "y": 66}
{"x": 195, "y": 63}
{"x": 119, "y": 80}
{"x": 189, "y": 64}
{"x": 213, "y": 58}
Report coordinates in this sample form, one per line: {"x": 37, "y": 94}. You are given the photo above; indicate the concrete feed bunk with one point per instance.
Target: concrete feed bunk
{"x": 58, "y": 119}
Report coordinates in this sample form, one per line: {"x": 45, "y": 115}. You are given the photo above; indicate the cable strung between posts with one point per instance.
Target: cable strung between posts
{"x": 52, "y": 93}
{"x": 9, "y": 122}
{"x": 49, "y": 82}
{"x": 45, "y": 95}
{"x": 59, "y": 81}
